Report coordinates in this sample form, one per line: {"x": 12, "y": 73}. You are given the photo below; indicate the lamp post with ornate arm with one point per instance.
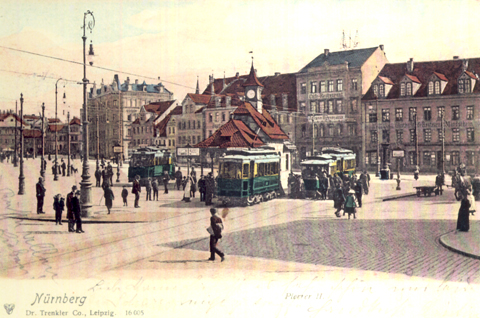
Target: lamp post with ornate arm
{"x": 55, "y": 177}
{"x": 21, "y": 177}
{"x": 85, "y": 184}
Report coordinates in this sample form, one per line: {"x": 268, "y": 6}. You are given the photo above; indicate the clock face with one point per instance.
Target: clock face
{"x": 251, "y": 93}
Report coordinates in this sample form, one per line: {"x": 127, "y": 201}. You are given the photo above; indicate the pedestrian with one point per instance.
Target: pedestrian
{"x": 136, "y": 189}
{"x": 148, "y": 189}
{"x": 210, "y": 185}
{"x": 109, "y": 197}
{"x": 64, "y": 167}
{"x": 155, "y": 188}
{"x": 184, "y": 183}
{"x": 58, "y": 206}
{"x": 193, "y": 174}
{"x": 77, "y": 211}
{"x": 110, "y": 173}
{"x": 166, "y": 178}
{"x": 463, "y": 222}
{"x": 98, "y": 177}
{"x": 104, "y": 175}
{"x": 338, "y": 200}
{"x": 178, "y": 178}
{"x": 186, "y": 191}
{"x": 358, "y": 192}
{"x": 40, "y": 195}
{"x": 350, "y": 204}
{"x": 215, "y": 230}
{"x": 193, "y": 186}
{"x": 124, "y": 195}
{"x": 70, "y": 215}
{"x": 53, "y": 168}
{"x": 201, "y": 188}
{"x": 364, "y": 180}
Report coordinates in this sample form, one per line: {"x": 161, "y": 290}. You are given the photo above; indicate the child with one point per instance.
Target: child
{"x": 58, "y": 206}
{"x": 350, "y": 204}
{"x": 124, "y": 195}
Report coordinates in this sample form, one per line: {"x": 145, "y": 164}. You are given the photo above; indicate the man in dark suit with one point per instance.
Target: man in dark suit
{"x": 40, "y": 195}
{"x": 217, "y": 226}
{"x": 77, "y": 211}
{"x": 70, "y": 215}
{"x": 64, "y": 167}
{"x": 136, "y": 189}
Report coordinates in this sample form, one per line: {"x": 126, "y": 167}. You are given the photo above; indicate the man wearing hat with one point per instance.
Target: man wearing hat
{"x": 70, "y": 216}
{"x": 136, "y": 189}
{"x": 216, "y": 225}
{"x": 40, "y": 195}
{"x": 77, "y": 211}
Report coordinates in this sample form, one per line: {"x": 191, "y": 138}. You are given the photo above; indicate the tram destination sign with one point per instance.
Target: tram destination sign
{"x": 398, "y": 153}
{"x": 327, "y": 118}
{"x": 192, "y": 152}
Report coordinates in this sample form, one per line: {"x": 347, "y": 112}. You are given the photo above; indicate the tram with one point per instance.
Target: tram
{"x": 248, "y": 176}
{"x": 150, "y": 162}
{"x": 331, "y": 160}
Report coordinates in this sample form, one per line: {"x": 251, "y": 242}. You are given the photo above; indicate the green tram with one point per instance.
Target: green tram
{"x": 332, "y": 160}
{"x": 150, "y": 163}
{"x": 248, "y": 176}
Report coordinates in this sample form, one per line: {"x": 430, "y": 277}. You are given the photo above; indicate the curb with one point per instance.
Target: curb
{"x": 84, "y": 220}
{"x": 455, "y": 250}
{"x": 400, "y": 196}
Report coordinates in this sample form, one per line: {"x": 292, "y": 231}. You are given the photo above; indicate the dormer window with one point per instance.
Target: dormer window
{"x": 464, "y": 86}
{"x": 402, "y": 89}
{"x": 409, "y": 89}
{"x": 434, "y": 88}
{"x": 381, "y": 90}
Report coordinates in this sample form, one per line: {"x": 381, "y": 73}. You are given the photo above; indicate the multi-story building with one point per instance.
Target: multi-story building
{"x": 427, "y": 109}
{"x": 7, "y": 130}
{"x": 112, "y": 108}
{"x": 329, "y": 92}
{"x": 164, "y": 131}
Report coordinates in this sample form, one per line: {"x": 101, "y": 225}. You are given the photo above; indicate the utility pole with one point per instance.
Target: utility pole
{"x": 15, "y": 158}
{"x": 42, "y": 167}
{"x": 21, "y": 177}
{"x": 416, "y": 138}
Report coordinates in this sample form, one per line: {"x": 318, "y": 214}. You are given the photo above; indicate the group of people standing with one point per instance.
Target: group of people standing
{"x": 189, "y": 184}
{"x": 104, "y": 175}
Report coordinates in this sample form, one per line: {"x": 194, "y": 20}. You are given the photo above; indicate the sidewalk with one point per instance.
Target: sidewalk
{"x": 465, "y": 243}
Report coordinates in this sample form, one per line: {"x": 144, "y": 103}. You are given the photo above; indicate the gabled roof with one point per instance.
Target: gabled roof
{"x": 355, "y": 58}
{"x": 386, "y": 80}
{"x": 413, "y": 78}
{"x": 264, "y": 120}
{"x": 252, "y": 79}
{"x": 32, "y": 133}
{"x": 55, "y": 127}
{"x": 276, "y": 85}
{"x": 234, "y": 101}
{"x": 159, "y": 107}
{"x": 232, "y": 134}
{"x": 162, "y": 126}
{"x": 54, "y": 120}
{"x": 15, "y": 116}
{"x": 199, "y": 98}
{"x": 448, "y": 71}
{"x": 75, "y": 121}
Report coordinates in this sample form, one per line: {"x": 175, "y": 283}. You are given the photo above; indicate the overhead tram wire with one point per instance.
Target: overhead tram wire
{"x": 99, "y": 67}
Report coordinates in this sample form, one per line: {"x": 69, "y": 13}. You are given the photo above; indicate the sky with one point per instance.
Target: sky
{"x": 177, "y": 41}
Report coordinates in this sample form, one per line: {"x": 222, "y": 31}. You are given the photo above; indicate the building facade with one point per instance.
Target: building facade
{"x": 329, "y": 93}
{"x": 430, "y": 110}
{"x": 112, "y": 108}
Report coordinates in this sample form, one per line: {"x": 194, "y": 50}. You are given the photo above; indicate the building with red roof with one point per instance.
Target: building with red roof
{"x": 409, "y": 104}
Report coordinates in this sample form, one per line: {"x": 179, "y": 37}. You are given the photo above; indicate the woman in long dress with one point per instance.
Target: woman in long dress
{"x": 463, "y": 223}
{"x": 186, "y": 192}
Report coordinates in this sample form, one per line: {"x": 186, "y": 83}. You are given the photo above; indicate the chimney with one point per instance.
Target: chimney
{"x": 277, "y": 73}
{"x": 381, "y": 47}
{"x": 464, "y": 64}
{"x": 237, "y": 74}
{"x": 127, "y": 83}
{"x": 212, "y": 86}
{"x": 455, "y": 57}
{"x": 410, "y": 65}
{"x": 228, "y": 100}
{"x": 327, "y": 51}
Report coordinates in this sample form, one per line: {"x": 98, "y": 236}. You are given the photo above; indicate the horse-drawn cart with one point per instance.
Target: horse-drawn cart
{"x": 425, "y": 190}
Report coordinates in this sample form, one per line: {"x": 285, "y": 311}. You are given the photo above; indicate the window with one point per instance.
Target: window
{"x": 351, "y": 130}
{"x": 209, "y": 133}
{"x": 430, "y": 88}
{"x": 470, "y": 134}
{"x": 470, "y": 158}
{"x": 330, "y": 86}
{"x": 223, "y": 118}
{"x": 385, "y": 115}
{"x": 386, "y": 135}
{"x": 412, "y": 135}
{"x": 399, "y": 136}
{"x": 354, "y": 84}
{"x": 455, "y": 113}
{"x": 412, "y": 113}
{"x": 427, "y": 113}
{"x": 339, "y": 130}
{"x": 330, "y": 130}
{"x": 322, "y": 130}
{"x": 427, "y": 135}
{"x": 427, "y": 158}
{"x": 398, "y": 114}
{"x": 382, "y": 90}
{"x": 375, "y": 90}
{"x": 437, "y": 87}
{"x": 440, "y": 112}
{"x": 313, "y": 87}
{"x": 216, "y": 117}
{"x": 303, "y": 88}
{"x": 412, "y": 160}
{"x": 455, "y": 157}
{"x": 409, "y": 89}
{"x": 455, "y": 134}
{"x": 339, "y": 85}
{"x": 464, "y": 86}
{"x": 210, "y": 117}
{"x": 322, "y": 87}
{"x": 321, "y": 107}
{"x": 374, "y": 137}
{"x": 440, "y": 135}
{"x": 330, "y": 107}
{"x": 372, "y": 117}
{"x": 302, "y": 106}
{"x": 189, "y": 124}
{"x": 339, "y": 106}
{"x": 469, "y": 112}
{"x": 402, "y": 89}
{"x": 353, "y": 105}
{"x": 313, "y": 105}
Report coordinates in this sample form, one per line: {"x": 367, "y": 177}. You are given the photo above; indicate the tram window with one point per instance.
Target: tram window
{"x": 220, "y": 169}
{"x": 261, "y": 169}
{"x": 245, "y": 170}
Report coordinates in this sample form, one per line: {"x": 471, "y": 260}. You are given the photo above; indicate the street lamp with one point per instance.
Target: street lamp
{"x": 55, "y": 178}
{"x": 42, "y": 165}
{"x": 15, "y": 152}
{"x": 68, "y": 135}
{"x": 21, "y": 177}
{"x": 85, "y": 184}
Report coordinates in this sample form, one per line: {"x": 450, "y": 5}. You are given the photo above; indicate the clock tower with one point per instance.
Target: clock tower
{"x": 253, "y": 90}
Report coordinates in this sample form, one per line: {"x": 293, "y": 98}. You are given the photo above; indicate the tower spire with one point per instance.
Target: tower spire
{"x": 197, "y": 90}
